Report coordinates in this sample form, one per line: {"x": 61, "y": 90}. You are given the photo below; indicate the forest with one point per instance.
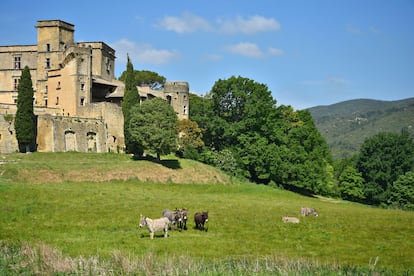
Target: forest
{"x": 246, "y": 134}
{"x": 239, "y": 128}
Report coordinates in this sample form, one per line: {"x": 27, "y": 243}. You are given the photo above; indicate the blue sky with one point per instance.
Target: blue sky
{"x": 308, "y": 52}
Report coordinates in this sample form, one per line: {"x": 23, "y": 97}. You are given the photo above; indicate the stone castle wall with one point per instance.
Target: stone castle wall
{"x": 99, "y": 128}
{"x": 8, "y": 141}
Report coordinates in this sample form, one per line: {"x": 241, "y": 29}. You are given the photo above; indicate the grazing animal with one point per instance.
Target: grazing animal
{"x": 200, "y": 218}
{"x": 155, "y": 225}
{"x": 182, "y": 224}
{"x": 173, "y": 216}
{"x": 305, "y": 211}
{"x": 290, "y": 220}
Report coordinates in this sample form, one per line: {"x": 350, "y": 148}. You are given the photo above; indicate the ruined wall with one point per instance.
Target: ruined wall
{"x": 8, "y": 141}
{"x": 113, "y": 117}
{"x": 60, "y": 134}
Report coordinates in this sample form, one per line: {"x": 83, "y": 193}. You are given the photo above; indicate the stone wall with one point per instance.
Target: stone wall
{"x": 59, "y": 133}
{"x": 8, "y": 141}
{"x": 99, "y": 128}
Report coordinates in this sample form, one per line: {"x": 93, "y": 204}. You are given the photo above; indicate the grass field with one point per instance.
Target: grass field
{"x": 96, "y": 218}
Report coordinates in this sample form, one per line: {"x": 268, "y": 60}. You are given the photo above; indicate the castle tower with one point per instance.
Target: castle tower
{"x": 177, "y": 95}
{"x": 53, "y": 38}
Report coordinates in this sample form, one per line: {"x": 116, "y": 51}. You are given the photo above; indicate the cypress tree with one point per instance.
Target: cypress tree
{"x": 24, "y": 123}
{"x": 131, "y": 99}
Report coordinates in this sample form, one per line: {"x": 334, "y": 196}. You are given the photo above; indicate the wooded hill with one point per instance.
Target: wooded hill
{"x": 347, "y": 124}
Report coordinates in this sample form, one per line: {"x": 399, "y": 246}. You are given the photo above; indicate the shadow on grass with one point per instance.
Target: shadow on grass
{"x": 173, "y": 164}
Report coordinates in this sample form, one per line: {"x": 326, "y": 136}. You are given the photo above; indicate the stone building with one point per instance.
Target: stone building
{"x": 77, "y": 99}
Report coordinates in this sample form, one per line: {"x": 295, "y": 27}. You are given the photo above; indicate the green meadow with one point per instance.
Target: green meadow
{"x": 72, "y": 213}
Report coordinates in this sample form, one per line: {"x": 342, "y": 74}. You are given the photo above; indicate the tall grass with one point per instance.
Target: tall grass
{"x": 73, "y": 227}
{"x": 42, "y": 259}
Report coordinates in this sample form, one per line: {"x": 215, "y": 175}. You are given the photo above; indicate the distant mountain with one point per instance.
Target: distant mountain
{"x": 346, "y": 125}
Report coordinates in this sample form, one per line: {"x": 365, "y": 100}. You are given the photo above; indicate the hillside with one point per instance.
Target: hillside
{"x": 102, "y": 167}
{"x": 61, "y": 215}
{"x": 346, "y": 125}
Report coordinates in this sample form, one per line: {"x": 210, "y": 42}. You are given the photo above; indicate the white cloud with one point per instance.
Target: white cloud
{"x": 251, "y": 25}
{"x": 249, "y": 49}
{"x": 189, "y": 23}
{"x": 186, "y": 23}
{"x": 245, "y": 49}
{"x": 362, "y": 31}
{"x": 275, "y": 51}
{"x": 142, "y": 53}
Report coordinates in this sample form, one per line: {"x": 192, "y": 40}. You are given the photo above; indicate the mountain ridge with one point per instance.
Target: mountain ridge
{"x": 345, "y": 125}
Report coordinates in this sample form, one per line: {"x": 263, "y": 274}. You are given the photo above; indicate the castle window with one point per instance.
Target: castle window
{"x": 82, "y": 101}
{"x": 108, "y": 64}
{"x": 185, "y": 110}
{"x": 17, "y": 62}
{"x": 48, "y": 47}
{"x": 169, "y": 99}
{"x": 82, "y": 87}
{"x": 58, "y": 85}
{"x": 57, "y": 100}
{"x": 15, "y": 83}
{"x": 47, "y": 64}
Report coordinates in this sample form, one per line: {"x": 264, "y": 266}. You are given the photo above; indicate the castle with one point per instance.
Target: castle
{"x": 77, "y": 100}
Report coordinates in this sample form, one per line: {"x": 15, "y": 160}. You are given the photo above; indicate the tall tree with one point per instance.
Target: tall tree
{"x": 153, "y": 126}
{"x": 189, "y": 137}
{"x": 382, "y": 159}
{"x": 131, "y": 99}
{"x": 270, "y": 144}
{"x": 402, "y": 193}
{"x": 351, "y": 184}
{"x": 25, "y": 124}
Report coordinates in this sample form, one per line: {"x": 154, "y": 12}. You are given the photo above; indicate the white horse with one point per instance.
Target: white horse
{"x": 155, "y": 225}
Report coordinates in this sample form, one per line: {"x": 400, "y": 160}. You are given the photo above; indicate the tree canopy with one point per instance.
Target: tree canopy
{"x": 144, "y": 77}
{"x": 24, "y": 123}
{"x": 382, "y": 159}
{"x": 270, "y": 144}
{"x": 153, "y": 126}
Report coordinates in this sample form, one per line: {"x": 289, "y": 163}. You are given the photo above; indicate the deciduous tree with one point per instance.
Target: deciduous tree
{"x": 402, "y": 193}
{"x": 153, "y": 126}
{"x": 189, "y": 137}
{"x": 382, "y": 159}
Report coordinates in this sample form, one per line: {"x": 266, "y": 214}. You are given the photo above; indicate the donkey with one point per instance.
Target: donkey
{"x": 305, "y": 211}
{"x": 155, "y": 225}
{"x": 173, "y": 216}
{"x": 200, "y": 218}
{"x": 182, "y": 224}
{"x": 290, "y": 220}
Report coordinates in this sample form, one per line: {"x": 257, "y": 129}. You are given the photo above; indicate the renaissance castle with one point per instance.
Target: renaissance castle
{"x": 77, "y": 100}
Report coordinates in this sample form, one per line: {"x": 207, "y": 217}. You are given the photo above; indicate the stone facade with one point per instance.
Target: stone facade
{"x": 77, "y": 99}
